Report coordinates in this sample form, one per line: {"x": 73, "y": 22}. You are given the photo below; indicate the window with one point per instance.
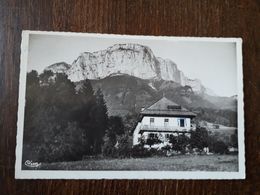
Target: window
{"x": 173, "y": 107}
{"x": 182, "y": 122}
{"x": 166, "y": 122}
{"x": 151, "y": 121}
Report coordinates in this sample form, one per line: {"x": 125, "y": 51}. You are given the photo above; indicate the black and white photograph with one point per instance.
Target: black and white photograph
{"x": 101, "y": 106}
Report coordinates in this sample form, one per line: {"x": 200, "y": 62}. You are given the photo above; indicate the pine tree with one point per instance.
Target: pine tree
{"x": 86, "y": 93}
{"x": 101, "y": 109}
{"x": 101, "y": 119}
{"x": 84, "y": 114}
{"x": 63, "y": 97}
{"x": 85, "y": 105}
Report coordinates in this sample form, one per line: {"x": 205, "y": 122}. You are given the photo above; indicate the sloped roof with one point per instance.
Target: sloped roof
{"x": 167, "y": 107}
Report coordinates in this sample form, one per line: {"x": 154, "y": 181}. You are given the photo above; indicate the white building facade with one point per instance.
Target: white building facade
{"x": 163, "y": 119}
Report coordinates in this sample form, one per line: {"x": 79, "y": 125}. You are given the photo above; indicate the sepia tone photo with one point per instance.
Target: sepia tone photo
{"x": 94, "y": 106}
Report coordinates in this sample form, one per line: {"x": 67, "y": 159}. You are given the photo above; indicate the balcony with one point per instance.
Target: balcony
{"x": 163, "y": 128}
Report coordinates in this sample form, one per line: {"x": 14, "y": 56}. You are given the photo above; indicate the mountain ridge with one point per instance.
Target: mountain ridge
{"x": 132, "y": 59}
{"x": 125, "y": 94}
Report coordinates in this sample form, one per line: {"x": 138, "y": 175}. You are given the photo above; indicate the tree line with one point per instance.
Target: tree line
{"x": 63, "y": 123}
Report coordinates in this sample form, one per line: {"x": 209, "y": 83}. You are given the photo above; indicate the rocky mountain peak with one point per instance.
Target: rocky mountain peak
{"x": 59, "y": 67}
{"x": 132, "y": 59}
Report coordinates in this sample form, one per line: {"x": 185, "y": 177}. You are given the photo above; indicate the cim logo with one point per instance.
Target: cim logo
{"x": 32, "y": 164}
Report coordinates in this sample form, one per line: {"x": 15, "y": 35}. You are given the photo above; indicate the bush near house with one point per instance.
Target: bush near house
{"x": 139, "y": 151}
{"x": 218, "y": 147}
{"x": 153, "y": 140}
{"x": 199, "y": 139}
{"x": 179, "y": 143}
{"x": 182, "y": 144}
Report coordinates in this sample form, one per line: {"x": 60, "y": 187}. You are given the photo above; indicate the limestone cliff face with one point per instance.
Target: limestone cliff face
{"x": 131, "y": 59}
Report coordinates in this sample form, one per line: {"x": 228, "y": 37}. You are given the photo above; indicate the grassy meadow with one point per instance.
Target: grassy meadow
{"x": 174, "y": 163}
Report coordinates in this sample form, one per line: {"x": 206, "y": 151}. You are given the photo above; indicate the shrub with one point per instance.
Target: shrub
{"x": 218, "y": 147}
{"x": 179, "y": 143}
{"x": 61, "y": 144}
{"x": 109, "y": 151}
{"x": 153, "y": 140}
{"x": 124, "y": 145}
{"x": 199, "y": 138}
{"x": 140, "y": 152}
{"x": 165, "y": 148}
{"x": 119, "y": 146}
{"x": 155, "y": 152}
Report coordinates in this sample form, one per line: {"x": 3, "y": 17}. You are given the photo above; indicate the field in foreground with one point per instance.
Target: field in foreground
{"x": 175, "y": 163}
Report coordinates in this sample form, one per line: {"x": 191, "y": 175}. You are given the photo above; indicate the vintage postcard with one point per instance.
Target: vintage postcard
{"x": 100, "y": 106}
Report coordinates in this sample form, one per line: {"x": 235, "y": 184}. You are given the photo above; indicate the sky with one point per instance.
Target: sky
{"x": 214, "y": 63}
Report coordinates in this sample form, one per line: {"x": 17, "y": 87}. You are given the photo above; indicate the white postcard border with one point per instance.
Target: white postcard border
{"x": 85, "y": 174}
